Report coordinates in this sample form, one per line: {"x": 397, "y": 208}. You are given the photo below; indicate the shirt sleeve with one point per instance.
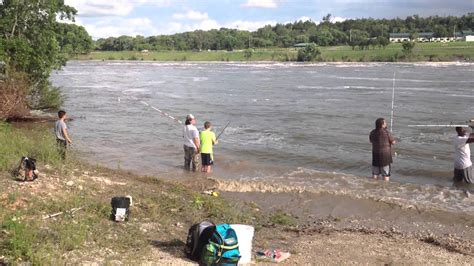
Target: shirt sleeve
{"x": 390, "y": 137}
{"x": 460, "y": 141}
{"x": 195, "y": 133}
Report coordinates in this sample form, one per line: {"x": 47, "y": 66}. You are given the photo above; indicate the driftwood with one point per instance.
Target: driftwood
{"x": 71, "y": 211}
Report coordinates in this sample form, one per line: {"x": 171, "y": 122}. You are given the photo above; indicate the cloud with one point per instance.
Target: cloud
{"x": 261, "y": 3}
{"x": 191, "y": 15}
{"x": 304, "y": 19}
{"x": 338, "y": 19}
{"x": 115, "y": 27}
{"x": 249, "y": 25}
{"x": 210, "y": 24}
{"x": 100, "y": 8}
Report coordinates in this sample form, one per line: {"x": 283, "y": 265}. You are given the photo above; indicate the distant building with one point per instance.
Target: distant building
{"x": 302, "y": 44}
{"x": 429, "y": 37}
{"x": 399, "y": 37}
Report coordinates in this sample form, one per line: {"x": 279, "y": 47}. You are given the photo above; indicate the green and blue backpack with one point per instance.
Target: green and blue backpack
{"x": 222, "y": 248}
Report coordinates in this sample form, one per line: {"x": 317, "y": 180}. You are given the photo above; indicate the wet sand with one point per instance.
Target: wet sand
{"x": 333, "y": 229}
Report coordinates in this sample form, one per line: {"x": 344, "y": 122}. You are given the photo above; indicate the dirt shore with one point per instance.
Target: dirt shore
{"x": 315, "y": 229}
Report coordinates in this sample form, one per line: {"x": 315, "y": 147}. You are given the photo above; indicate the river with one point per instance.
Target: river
{"x": 299, "y": 124}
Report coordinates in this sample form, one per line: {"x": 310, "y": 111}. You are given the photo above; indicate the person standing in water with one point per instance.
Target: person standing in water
{"x": 191, "y": 143}
{"x": 208, "y": 139}
{"x": 382, "y": 142}
{"x": 462, "y": 157}
{"x": 61, "y": 133}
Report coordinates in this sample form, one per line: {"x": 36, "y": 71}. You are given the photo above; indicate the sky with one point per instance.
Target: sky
{"x": 107, "y": 18}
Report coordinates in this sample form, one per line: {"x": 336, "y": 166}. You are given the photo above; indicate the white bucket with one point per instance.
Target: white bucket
{"x": 244, "y": 236}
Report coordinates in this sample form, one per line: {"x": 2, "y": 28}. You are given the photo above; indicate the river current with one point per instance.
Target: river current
{"x": 296, "y": 124}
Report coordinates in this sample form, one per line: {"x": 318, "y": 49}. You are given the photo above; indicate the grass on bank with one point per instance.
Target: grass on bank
{"x": 160, "y": 217}
{"x": 33, "y": 142}
{"x": 453, "y": 51}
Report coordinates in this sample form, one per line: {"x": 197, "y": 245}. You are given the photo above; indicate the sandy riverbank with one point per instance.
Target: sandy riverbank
{"x": 320, "y": 228}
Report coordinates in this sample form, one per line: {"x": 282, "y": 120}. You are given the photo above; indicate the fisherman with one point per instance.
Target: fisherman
{"x": 382, "y": 142}
{"x": 61, "y": 133}
{"x": 462, "y": 157}
{"x": 191, "y": 143}
{"x": 208, "y": 139}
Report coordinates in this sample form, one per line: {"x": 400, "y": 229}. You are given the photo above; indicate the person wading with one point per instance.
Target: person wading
{"x": 462, "y": 157}
{"x": 382, "y": 142}
{"x": 191, "y": 143}
{"x": 208, "y": 140}
{"x": 61, "y": 133}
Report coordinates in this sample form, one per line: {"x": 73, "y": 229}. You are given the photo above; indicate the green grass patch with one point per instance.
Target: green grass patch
{"x": 452, "y": 51}
{"x": 37, "y": 142}
{"x": 282, "y": 218}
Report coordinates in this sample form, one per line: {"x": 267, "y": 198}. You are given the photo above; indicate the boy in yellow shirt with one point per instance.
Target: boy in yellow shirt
{"x": 208, "y": 139}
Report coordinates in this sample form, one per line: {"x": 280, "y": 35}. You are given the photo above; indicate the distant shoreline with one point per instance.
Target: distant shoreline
{"x": 423, "y": 52}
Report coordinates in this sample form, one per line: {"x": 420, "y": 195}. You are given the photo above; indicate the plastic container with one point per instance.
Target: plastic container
{"x": 245, "y": 237}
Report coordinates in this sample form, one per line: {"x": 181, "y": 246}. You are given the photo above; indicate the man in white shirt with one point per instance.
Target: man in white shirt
{"x": 191, "y": 143}
{"x": 462, "y": 156}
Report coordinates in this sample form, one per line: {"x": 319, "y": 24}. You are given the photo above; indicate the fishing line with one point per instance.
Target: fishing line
{"x": 393, "y": 101}
{"x": 152, "y": 107}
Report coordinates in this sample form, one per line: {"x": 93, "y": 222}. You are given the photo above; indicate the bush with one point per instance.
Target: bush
{"x": 47, "y": 97}
{"x": 248, "y": 53}
{"x": 13, "y": 96}
{"x": 308, "y": 53}
{"x": 408, "y": 47}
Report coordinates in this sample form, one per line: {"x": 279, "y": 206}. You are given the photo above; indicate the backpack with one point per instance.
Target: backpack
{"x": 198, "y": 236}
{"x": 222, "y": 247}
{"x": 27, "y": 169}
{"x": 120, "y": 208}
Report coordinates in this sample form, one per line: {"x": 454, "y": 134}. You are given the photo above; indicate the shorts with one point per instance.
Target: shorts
{"x": 383, "y": 171}
{"x": 206, "y": 159}
{"x": 464, "y": 175}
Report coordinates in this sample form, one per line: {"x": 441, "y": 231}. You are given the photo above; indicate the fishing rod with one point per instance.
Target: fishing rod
{"x": 468, "y": 123}
{"x": 223, "y": 130}
{"x": 393, "y": 101}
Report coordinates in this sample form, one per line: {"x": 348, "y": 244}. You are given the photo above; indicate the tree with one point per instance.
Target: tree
{"x": 29, "y": 42}
{"x": 383, "y": 41}
{"x": 308, "y": 53}
{"x": 359, "y": 38}
{"x": 248, "y": 53}
{"x": 73, "y": 39}
{"x": 408, "y": 47}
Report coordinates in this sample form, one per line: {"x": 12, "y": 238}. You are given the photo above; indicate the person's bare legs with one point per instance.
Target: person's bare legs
{"x": 386, "y": 178}
{"x": 375, "y": 177}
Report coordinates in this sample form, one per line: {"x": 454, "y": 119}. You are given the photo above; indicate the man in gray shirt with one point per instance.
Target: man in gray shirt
{"x": 62, "y": 136}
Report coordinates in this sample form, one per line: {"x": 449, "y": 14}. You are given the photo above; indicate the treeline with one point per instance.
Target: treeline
{"x": 354, "y": 32}
{"x": 32, "y": 44}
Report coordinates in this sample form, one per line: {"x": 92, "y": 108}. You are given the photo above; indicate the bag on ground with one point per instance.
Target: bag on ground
{"x": 120, "y": 208}
{"x": 222, "y": 247}
{"x": 27, "y": 169}
{"x": 198, "y": 236}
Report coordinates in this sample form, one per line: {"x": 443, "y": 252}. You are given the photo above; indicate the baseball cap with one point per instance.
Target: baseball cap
{"x": 190, "y": 117}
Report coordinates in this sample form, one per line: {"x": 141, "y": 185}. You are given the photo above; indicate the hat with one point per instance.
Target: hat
{"x": 190, "y": 117}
